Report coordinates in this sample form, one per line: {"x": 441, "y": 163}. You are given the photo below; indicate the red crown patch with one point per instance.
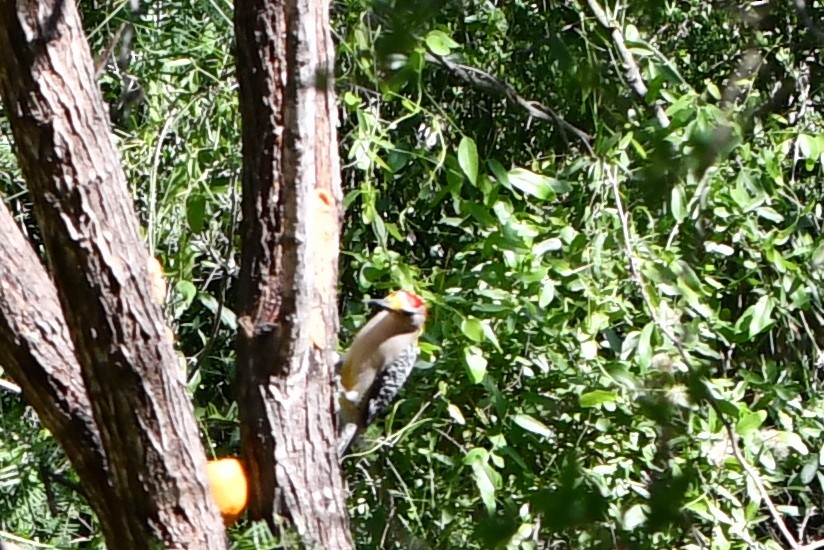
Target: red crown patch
{"x": 412, "y": 299}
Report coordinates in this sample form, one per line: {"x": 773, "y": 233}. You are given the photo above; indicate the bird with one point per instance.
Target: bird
{"x": 378, "y": 363}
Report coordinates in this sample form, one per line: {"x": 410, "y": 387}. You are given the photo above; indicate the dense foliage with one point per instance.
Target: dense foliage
{"x": 616, "y": 217}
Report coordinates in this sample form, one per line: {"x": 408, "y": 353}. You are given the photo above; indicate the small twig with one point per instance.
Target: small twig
{"x": 371, "y": 483}
{"x": 7, "y": 541}
{"x": 612, "y": 175}
{"x": 105, "y": 55}
{"x": 485, "y": 82}
{"x": 405, "y": 488}
{"x": 699, "y": 537}
{"x": 451, "y": 439}
{"x": 392, "y": 439}
{"x": 633, "y": 74}
{"x": 808, "y": 513}
{"x": 171, "y": 119}
{"x": 224, "y": 282}
{"x": 10, "y": 387}
{"x": 813, "y": 545}
{"x": 388, "y": 525}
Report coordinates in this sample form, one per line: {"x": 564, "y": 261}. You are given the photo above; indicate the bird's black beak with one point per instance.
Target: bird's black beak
{"x": 379, "y": 303}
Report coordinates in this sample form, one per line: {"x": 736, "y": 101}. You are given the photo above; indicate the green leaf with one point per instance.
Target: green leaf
{"x": 719, "y": 248}
{"x": 379, "y": 227}
{"x": 809, "y": 470}
{"x": 769, "y": 214}
{"x": 475, "y": 364}
{"x": 531, "y": 183}
{"x": 549, "y": 245}
{"x": 793, "y": 440}
{"x": 625, "y": 140}
{"x": 589, "y": 349}
{"x": 807, "y": 146}
{"x": 487, "y": 480}
{"x": 455, "y": 414}
{"x": 635, "y": 516}
{"x": 817, "y": 259}
{"x": 489, "y": 334}
{"x": 476, "y": 455}
{"x": 227, "y": 316}
{"x": 196, "y": 212}
{"x": 559, "y": 186}
{"x": 547, "y": 294}
{"x": 678, "y": 204}
{"x": 631, "y": 33}
{"x": 686, "y": 276}
{"x": 499, "y": 172}
{"x": 350, "y": 100}
{"x": 750, "y": 422}
{"x": 761, "y": 315}
{"x": 473, "y": 329}
{"x": 597, "y": 397}
{"x": 440, "y": 43}
{"x": 643, "y": 353}
{"x": 468, "y": 158}
{"x": 187, "y": 291}
{"x": 533, "y": 425}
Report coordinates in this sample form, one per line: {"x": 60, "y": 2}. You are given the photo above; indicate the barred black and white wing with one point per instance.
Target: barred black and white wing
{"x": 389, "y": 382}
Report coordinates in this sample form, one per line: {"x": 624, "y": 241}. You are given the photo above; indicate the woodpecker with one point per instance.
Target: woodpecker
{"x": 378, "y": 363}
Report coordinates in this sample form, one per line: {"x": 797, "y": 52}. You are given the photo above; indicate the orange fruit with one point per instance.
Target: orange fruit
{"x": 229, "y": 487}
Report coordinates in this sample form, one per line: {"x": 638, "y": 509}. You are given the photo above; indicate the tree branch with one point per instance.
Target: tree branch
{"x": 633, "y": 74}
{"x": 10, "y": 386}
{"x": 290, "y": 202}
{"x": 486, "y": 83}
{"x": 36, "y": 351}
{"x": 155, "y": 461}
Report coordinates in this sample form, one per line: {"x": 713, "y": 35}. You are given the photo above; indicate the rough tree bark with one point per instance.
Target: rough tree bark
{"x": 155, "y": 461}
{"x": 288, "y": 279}
{"x": 36, "y": 351}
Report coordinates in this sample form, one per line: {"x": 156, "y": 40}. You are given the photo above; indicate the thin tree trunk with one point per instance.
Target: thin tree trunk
{"x": 155, "y": 460}
{"x": 288, "y": 279}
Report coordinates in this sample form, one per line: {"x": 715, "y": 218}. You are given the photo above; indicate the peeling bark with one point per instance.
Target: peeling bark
{"x": 291, "y": 220}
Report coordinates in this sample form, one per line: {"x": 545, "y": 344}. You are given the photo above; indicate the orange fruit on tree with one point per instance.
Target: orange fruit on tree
{"x": 229, "y": 487}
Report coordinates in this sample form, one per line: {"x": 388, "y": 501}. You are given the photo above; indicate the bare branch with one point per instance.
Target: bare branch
{"x": 485, "y": 82}
{"x": 633, "y": 74}
{"x": 10, "y": 387}
{"x": 812, "y": 546}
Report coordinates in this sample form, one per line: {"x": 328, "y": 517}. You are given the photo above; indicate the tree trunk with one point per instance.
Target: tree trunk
{"x": 36, "y": 351}
{"x": 291, "y": 219}
{"x": 155, "y": 460}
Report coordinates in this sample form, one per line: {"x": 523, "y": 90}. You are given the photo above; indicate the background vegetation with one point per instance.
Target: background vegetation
{"x": 616, "y": 216}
